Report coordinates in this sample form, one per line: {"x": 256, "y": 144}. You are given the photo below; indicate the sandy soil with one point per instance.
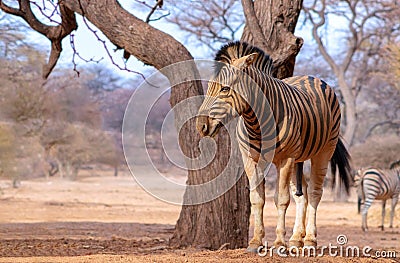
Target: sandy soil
{"x": 108, "y": 219}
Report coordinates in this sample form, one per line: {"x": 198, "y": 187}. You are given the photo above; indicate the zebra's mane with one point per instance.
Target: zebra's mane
{"x": 395, "y": 164}
{"x": 234, "y": 50}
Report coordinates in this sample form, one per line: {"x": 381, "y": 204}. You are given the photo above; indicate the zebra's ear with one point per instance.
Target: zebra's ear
{"x": 245, "y": 61}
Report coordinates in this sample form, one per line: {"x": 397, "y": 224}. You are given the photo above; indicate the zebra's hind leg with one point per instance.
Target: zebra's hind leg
{"x": 319, "y": 166}
{"x": 282, "y": 198}
{"x": 370, "y": 197}
{"x": 395, "y": 199}
{"x": 383, "y": 215}
{"x": 299, "y": 229}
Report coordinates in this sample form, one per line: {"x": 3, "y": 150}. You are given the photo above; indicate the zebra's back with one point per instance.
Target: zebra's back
{"x": 318, "y": 113}
{"x": 379, "y": 184}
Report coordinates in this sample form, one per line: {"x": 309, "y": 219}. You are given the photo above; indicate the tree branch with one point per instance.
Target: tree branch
{"x": 254, "y": 26}
{"x": 10, "y": 10}
{"x": 316, "y": 36}
{"x": 354, "y": 37}
{"x": 392, "y": 123}
{"x": 54, "y": 33}
{"x": 153, "y": 9}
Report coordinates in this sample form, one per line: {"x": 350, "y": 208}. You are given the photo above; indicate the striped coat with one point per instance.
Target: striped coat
{"x": 283, "y": 121}
{"x": 375, "y": 184}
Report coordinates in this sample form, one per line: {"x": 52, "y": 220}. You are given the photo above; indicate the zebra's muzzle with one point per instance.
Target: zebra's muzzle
{"x": 207, "y": 126}
{"x": 214, "y": 129}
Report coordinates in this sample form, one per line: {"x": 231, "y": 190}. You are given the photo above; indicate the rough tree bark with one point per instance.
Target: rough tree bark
{"x": 270, "y": 25}
{"x": 207, "y": 225}
{"x": 225, "y": 219}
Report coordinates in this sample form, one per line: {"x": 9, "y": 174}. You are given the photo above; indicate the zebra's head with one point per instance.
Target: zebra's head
{"x": 225, "y": 96}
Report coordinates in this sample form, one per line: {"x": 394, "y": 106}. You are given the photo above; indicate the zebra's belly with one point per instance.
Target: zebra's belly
{"x": 301, "y": 151}
{"x": 383, "y": 197}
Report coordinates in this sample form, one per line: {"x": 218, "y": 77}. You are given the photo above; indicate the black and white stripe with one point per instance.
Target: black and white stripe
{"x": 284, "y": 121}
{"x": 375, "y": 184}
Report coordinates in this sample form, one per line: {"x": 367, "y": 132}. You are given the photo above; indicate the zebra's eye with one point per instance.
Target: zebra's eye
{"x": 225, "y": 89}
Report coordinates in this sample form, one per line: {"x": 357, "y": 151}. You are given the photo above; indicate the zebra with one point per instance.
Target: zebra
{"x": 375, "y": 184}
{"x": 304, "y": 111}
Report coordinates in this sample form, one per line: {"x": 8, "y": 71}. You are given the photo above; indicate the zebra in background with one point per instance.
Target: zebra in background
{"x": 380, "y": 185}
{"x": 302, "y": 122}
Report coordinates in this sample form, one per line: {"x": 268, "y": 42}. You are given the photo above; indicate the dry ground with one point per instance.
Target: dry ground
{"x": 107, "y": 219}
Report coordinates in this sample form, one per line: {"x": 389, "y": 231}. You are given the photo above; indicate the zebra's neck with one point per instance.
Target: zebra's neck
{"x": 263, "y": 105}
{"x": 265, "y": 101}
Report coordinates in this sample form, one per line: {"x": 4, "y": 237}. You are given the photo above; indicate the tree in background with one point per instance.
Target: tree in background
{"x": 7, "y": 153}
{"x": 267, "y": 25}
{"x": 11, "y": 37}
{"x": 379, "y": 151}
{"x": 22, "y": 109}
{"x": 391, "y": 54}
{"x": 352, "y": 48}
{"x": 74, "y": 145}
{"x": 53, "y": 121}
{"x": 212, "y": 23}
{"x": 19, "y": 82}
{"x": 226, "y": 217}
{"x": 73, "y": 135}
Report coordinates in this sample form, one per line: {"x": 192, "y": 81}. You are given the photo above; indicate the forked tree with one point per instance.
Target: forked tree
{"x": 269, "y": 25}
{"x": 366, "y": 28}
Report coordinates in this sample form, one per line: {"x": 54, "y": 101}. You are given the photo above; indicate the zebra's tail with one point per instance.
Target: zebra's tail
{"x": 341, "y": 161}
{"x": 359, "y": 201}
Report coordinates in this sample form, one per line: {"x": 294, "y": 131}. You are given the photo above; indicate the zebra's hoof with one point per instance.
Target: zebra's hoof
{"x": 310, "y": 243}
{"x": 279, "y": 243}
{"x": 296, "y": 243}
{"x": 382, "y": 228}
{"x": 253, "y": 249}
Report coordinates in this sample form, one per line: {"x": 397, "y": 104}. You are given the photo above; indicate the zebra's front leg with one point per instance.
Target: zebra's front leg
{"x": 299, "y": 228}
{"x": 395, "y": 199}
{"x": 255, "y": 174}
{"x": 282, "y": 198}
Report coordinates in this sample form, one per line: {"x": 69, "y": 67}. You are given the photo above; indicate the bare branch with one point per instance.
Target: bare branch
{"x": 10, "y": 10}
{"x": 104, "y": 43}
{"x": 54, "y": 33}
{"x": 316, "y": 36}
{"x": 391, "y": 123}
{"x": 210, "y": 22}
{"x": 153, "y": 9}
{"x": 76, "y": 53}
{"x": 160, "y": 17}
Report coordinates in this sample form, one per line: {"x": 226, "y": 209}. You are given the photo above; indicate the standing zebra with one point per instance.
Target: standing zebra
{"x": 380, "y": 185}
{"x": 299, "y": 118}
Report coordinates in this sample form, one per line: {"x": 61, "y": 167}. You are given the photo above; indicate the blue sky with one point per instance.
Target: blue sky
{"x": 90, "y": 48}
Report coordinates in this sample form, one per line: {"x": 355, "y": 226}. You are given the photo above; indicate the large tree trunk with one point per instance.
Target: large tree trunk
{"x": 224, "y": 220}
{"x": 277, "y": 23}
{"x": 349, "y": 110}
{"x": 270, "y": 26}
{"x": 350, "y": 122}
